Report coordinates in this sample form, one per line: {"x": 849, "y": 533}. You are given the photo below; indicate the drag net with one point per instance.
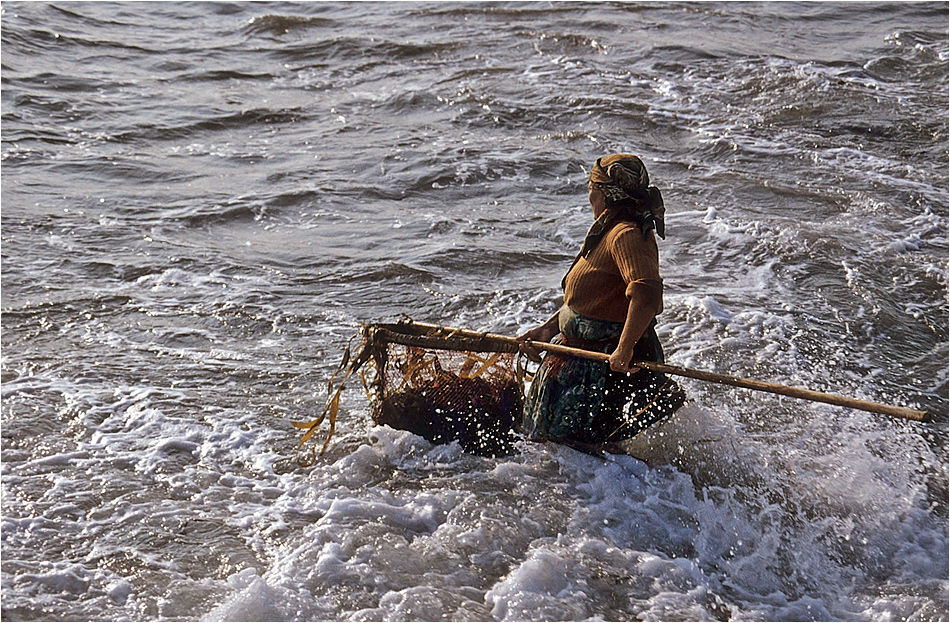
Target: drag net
{"x": 442, "y": 384}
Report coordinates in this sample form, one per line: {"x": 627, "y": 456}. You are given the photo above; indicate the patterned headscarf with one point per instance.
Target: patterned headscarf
{"x": 626, "y": 184}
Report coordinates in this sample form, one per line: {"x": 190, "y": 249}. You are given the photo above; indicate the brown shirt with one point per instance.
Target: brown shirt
{"x": 621, "y": 266}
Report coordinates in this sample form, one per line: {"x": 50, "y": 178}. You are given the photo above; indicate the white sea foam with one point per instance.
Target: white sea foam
{"x": 196, "y": 242}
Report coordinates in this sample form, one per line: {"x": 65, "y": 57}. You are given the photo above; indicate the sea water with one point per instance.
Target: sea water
{"x": 202, "y": 203}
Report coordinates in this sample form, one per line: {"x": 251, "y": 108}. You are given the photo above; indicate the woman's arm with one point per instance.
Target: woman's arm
{"x": 645, "y": 303}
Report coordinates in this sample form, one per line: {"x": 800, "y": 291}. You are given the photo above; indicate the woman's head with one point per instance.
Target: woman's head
{"x": 624, "y": 171}
{"x": 624, "y": 183}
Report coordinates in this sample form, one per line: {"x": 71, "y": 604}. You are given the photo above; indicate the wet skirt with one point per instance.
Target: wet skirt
{"x": 578, "y": 401}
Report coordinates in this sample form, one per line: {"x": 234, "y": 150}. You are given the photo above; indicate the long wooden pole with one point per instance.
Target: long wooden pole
{"x": 762, "y": 386}
{"x": 712, "y": 377}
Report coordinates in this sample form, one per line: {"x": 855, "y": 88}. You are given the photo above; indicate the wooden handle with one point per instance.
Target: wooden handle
{"x": 762, "y": 386}
{"x": 711, "y": 377}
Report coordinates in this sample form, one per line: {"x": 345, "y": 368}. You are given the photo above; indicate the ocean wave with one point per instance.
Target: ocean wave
{"x": 279, "y": 25}
{"x": 211, "y": 122}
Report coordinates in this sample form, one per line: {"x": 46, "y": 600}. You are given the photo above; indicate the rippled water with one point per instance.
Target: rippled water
{"x": 202, "y": 202}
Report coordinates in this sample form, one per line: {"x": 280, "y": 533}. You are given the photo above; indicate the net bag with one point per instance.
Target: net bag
{"x": 442, "y": 384}
{"x": 448, "y": 384}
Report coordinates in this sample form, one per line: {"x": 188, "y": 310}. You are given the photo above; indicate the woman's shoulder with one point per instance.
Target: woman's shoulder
{"x": 624, "y": 228}
{"x": 626, "y": 237}
{"x": 628, "y": 232}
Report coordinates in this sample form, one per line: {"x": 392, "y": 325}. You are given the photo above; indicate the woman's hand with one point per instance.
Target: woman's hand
{"x": 543, "y": 333}
{"x": 620, "y": 360}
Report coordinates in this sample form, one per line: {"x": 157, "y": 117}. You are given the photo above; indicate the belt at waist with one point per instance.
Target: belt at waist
{"x": 610, "y": 342}
{"x": 576, "y": 342}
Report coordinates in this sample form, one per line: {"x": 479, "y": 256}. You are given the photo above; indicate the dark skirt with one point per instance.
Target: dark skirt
{"x": 578, "y": 401}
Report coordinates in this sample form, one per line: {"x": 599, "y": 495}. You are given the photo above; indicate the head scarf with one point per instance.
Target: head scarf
{"x": 626, "y": 185}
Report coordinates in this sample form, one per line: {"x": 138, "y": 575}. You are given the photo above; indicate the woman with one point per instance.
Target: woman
{"x": 612, "y": 294}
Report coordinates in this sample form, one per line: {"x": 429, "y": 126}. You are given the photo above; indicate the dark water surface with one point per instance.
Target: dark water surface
{"x": 201, "y": 203}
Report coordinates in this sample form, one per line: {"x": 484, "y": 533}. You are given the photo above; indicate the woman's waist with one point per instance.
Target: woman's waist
{"x": 605, "y": 345}
{"x": 582, "y": 331}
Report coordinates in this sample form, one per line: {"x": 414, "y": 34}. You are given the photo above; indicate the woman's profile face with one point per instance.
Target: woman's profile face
{"x": 596, "y": 197}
